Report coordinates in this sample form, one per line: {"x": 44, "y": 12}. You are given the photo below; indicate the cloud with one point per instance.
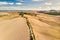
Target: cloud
{"x": 56, "y": 8}
{"x": 28, "y": 8}
{"x": 48, "y": 3}
{"x": 3, "y": 3}
{"x": 58, "y": 3}
{"x": 6, "y": 3}
{"x": 18, "y": 3}
{"x": 20, "y": 0}
{"x": 11, "y": 3}
{"x": 37, "y": 0}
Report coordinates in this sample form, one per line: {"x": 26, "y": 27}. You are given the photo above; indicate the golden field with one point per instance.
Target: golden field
{"x": 44, "y": 26}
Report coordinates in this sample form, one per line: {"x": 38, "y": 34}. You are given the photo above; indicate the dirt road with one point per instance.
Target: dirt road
{"x": 14, "y": 29}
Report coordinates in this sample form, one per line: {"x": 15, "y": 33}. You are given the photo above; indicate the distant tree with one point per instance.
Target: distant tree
{"x": 21, "y": 13}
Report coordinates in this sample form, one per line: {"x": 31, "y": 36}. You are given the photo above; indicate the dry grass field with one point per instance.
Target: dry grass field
{"x": 8, "y": 15}
{"x": 45, "y": 27}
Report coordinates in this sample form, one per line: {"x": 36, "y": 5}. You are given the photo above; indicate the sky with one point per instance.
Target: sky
{"x": 29, "y": 4}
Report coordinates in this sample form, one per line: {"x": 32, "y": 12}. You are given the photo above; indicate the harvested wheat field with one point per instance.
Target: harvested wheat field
{"x": 45, "y": 27}
{"x": 29, "y": 27}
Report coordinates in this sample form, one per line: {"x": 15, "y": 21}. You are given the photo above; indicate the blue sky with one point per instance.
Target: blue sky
{"x": 29, "y": 4}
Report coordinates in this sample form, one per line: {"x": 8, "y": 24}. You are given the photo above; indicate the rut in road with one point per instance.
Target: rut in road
{"x": 32, "y": 36}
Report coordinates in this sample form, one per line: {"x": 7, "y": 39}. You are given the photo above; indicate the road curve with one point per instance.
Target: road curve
{"x": 14, "y": 29}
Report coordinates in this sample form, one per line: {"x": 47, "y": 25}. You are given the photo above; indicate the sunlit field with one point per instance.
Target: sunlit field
{"x": 39, "y": 26}
{"x": 45, "y": 27}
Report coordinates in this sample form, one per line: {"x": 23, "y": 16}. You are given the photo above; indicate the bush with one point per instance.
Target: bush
{"x": 21, "y": 13}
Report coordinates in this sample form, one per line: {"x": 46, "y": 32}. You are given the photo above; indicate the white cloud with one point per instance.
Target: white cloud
{"x": 48, "y": 3}
{"x": 20, "y": 0}
{"x": 11, "y": 3}
{"x": 37, "y": 0}
{"x": 3, "y": 3}
{"x": 6, "y": 3}
{"x": 56, "y": 8}
{"x": 18, "y": 3}
{"x": 28, "y": 8}
{"x": 58, "y": 3}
